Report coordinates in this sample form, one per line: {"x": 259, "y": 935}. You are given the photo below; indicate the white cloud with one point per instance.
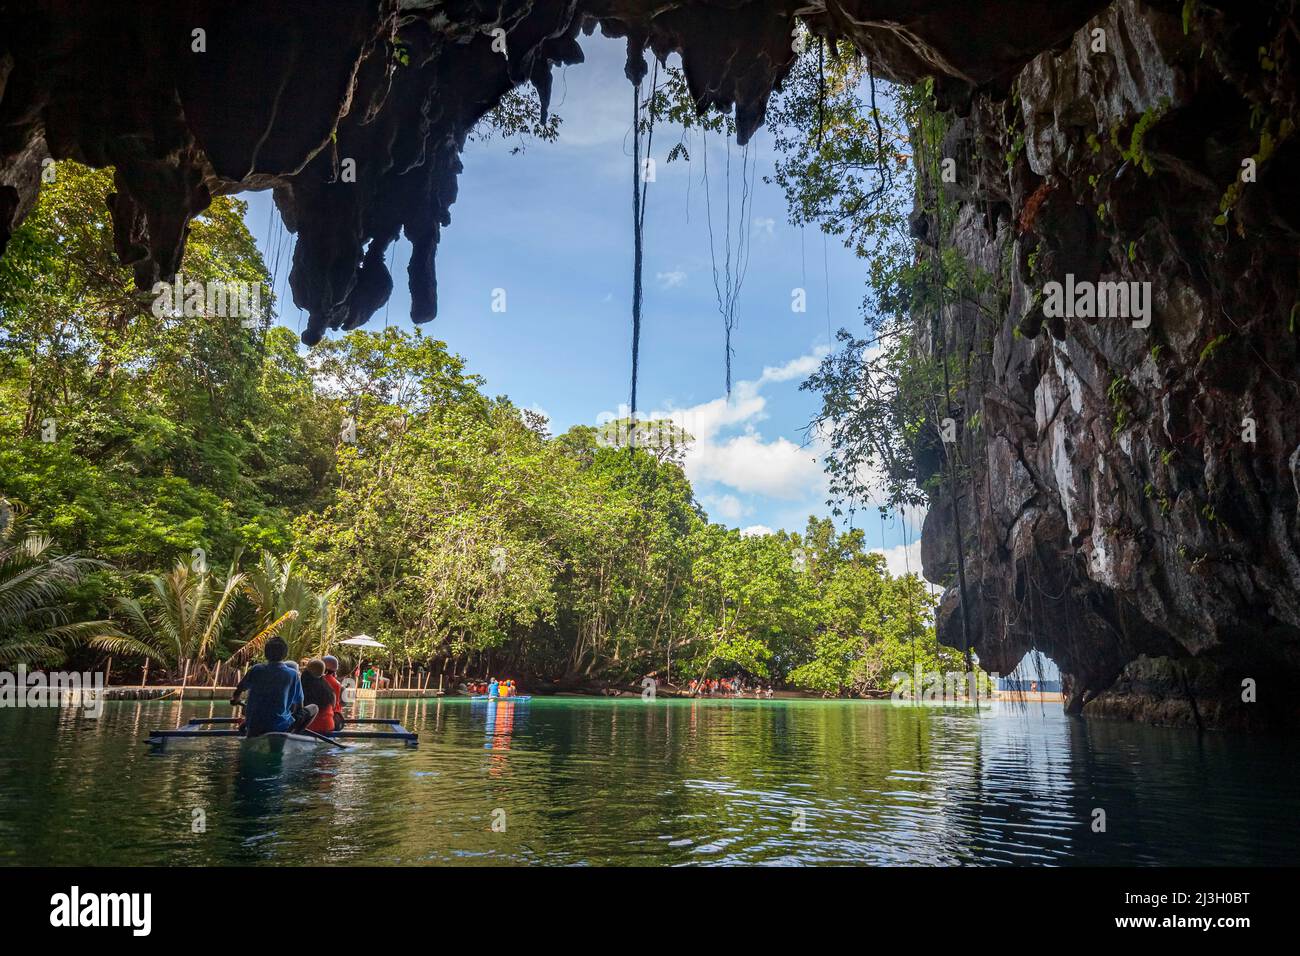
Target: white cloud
{"x": 902, "y": 559}
{"x": 755, "y": 531}
{"x": 671, "y": 280}
{"x": 727, "y": 507}
{"x": 764, "y": 225}
{"x": 730, "y": 458}
{"x": 747, "y": 463}
{"x": 800, "y": 367}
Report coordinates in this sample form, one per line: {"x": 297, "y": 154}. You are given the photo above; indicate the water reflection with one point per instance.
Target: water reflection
{"x": 498, "y": 726}
{"x": 628, "y": 781}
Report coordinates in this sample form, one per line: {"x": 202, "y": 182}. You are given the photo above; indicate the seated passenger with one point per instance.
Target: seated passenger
{"x": 274, "y": 692}
{"x": 331, "y": 678}
{"x": 316, "y": 690}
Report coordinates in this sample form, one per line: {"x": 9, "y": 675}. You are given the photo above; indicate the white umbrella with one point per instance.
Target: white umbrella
{"x": 362, "y": 640}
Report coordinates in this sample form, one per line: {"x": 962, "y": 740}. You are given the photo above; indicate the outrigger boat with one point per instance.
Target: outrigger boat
{"x": 279, "y": 742}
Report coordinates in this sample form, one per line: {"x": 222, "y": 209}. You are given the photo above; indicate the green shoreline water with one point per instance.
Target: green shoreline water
{"x": 622, "y": 781}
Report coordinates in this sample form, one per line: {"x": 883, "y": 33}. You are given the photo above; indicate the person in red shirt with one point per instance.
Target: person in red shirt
{"x": 316, "y": 691}
{"x": 332, "y": 679}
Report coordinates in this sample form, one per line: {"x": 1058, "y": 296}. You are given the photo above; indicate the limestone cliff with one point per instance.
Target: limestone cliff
{"x": 1131, "y": 504}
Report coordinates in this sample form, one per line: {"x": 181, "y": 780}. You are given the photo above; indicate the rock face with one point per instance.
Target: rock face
{"x": 1131, "y": 503}
{"x": 1131, "y": 507}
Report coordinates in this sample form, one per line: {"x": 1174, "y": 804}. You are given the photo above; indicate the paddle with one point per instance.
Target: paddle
{"x": 328, "y": 740}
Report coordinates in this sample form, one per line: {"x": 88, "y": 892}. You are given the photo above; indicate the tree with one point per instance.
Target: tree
{"x": 137, "y": 437}
{"x": 518, "y": 116}
{"x": 36, "y": 625}
{"x": 285, "y": 605}
{"x": 182, "y": 622}
{"x": 843, "y": 150}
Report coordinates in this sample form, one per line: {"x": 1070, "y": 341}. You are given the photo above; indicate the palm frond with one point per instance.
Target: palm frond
{"x": 256, "y": 642}
{"x": 34, "y": 586}
{"x": 128, "y": 646}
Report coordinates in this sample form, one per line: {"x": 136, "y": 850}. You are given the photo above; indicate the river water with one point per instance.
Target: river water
{"x": 600, "y": 781}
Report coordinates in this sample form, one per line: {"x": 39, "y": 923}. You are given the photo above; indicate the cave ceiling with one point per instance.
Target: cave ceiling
{"x": 187, "y": 99}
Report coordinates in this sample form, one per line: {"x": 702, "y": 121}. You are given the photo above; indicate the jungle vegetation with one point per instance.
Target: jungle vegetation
{"x": 181, "y": 487}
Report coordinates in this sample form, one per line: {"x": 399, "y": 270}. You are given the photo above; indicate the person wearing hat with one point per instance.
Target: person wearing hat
{"x": 274, "y": 693}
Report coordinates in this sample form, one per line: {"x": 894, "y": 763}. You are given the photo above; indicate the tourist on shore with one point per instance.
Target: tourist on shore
{"x": 274, "y": 693}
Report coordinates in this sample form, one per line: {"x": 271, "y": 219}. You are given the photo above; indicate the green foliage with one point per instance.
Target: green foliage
{"x": 36, "y": 622}
{"x": 1136, "y": 151}
{"x": 517, "y": 118}
{"x": 1212, "y": 347}
{"x": 182, "y": 620}
{"x": 843, "y": 149}
{"x": 457, "y": 529}
{"x": 285, "y": 605}
{"x": 137, "y": 438}
{"x": 1268, "y": 143}
{"x": 1017, "y": 147}
{"x": 386, "y": 493}
{"x": 1119, "y": 392}
{"x": 670, "y": 99}
{"x": 882, "y": 393}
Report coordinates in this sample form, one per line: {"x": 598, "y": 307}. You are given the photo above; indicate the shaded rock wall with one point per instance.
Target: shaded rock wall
{"x": 1119, "y": 517}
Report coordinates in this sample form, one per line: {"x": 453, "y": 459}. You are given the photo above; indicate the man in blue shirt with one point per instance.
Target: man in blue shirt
{"x": 274, "y": 692}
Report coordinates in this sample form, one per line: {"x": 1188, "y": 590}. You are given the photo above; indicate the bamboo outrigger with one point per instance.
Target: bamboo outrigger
{"x": 195, "y": 730}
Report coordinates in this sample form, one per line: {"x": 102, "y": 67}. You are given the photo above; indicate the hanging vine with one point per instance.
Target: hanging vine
{"x": 735, "y": 261}
{"x": 640, "y": 184}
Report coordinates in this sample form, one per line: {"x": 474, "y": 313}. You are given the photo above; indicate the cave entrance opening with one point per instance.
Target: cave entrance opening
{"x": 535, "y": 277}
{"x": 1036, "y": 674}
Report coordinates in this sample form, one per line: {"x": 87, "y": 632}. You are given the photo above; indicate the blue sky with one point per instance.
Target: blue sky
{"x": 552, "y": 226}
